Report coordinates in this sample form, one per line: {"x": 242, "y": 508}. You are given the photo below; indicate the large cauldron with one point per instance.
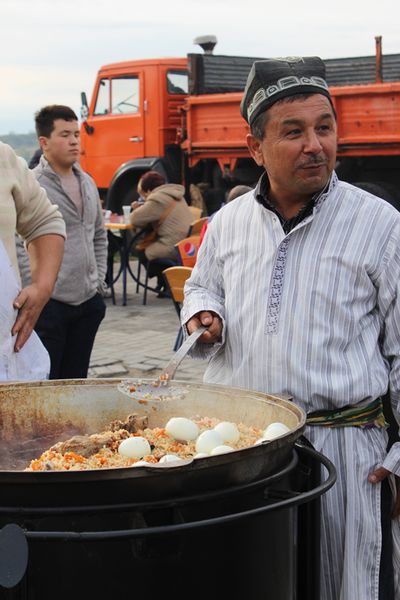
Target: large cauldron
{"x": 240, "y": 526}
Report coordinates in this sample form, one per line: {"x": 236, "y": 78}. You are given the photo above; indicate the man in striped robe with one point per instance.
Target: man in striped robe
{"x": 298, "y": 282}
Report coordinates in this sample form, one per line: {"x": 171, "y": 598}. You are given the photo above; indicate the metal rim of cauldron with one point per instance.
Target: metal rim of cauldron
{"x": 294, "y": 501}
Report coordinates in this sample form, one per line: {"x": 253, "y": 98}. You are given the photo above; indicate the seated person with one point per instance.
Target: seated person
{"x": 165, "y": 210}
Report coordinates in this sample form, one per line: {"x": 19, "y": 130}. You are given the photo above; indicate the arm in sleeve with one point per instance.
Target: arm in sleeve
{"x": 389, "y": 307}
{"x": 23, "y": 262}
{"x": 100, "y": 243}
{"x": 204, "y": 290}
{"x": 150, "y": 212}
{"x": 36, "y": 215}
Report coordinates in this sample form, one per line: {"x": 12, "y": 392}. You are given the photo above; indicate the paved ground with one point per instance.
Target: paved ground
{"x": 138, "y": 340}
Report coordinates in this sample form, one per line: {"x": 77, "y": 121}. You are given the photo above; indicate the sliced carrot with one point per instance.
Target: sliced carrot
{"x": 74, "y": 456}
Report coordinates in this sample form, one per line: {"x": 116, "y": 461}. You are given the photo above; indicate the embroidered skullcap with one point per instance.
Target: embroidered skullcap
{"x": 275, "y": 78}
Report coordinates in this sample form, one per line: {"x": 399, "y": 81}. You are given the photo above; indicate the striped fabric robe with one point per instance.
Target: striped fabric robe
{"x": 314, "y": 314}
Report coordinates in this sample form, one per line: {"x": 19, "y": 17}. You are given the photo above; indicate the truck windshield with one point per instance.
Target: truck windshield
{"x": 123, "y": 99}
{"x": 177, "y": 82}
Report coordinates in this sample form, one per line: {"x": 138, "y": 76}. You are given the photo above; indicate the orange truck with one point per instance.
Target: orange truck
{"x": 181, "y": 117}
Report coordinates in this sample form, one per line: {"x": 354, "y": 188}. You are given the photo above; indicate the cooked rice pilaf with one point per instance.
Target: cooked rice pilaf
{"x": 62, "y": 458}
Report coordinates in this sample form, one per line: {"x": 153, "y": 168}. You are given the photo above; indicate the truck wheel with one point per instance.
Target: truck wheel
{"x": 382, "y": 190}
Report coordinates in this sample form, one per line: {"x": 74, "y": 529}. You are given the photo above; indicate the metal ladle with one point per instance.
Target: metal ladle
{"x": 159, "y": 389}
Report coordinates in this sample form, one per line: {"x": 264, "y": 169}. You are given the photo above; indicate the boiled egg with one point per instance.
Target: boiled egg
{"x": 134, "y": 447}
{"x": 141, "y": 463}
{"x": 275, "y": 430}
{"x": 208, "y": 440}
{"x": 201, "y": 455}
{"x": 170, "y": 458}
{"x": 182, "y": 429}
{"x": 223, "y": 449}
{"x": 228, "y": 431}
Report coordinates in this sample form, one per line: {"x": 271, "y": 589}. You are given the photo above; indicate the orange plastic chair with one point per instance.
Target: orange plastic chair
{"x": 186, "y": 250}
{"x": 197, "y": 226}
{"x": 175, "y": 278}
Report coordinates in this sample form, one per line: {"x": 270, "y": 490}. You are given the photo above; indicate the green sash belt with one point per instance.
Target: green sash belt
{"x": 369, "y": 415}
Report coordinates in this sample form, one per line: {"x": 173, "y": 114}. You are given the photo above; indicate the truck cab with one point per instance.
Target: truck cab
{"x": 132, "y": 124}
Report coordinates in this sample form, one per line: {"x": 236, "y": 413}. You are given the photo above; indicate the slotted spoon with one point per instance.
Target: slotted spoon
{"x": 160, "y": 388}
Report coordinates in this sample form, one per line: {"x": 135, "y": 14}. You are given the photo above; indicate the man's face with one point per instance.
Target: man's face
{"x": 299, "y": 148}
{"x": 62, "y": 148}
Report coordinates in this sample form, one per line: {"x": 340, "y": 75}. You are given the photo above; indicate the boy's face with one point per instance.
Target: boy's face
{"x": 62, "y": 148}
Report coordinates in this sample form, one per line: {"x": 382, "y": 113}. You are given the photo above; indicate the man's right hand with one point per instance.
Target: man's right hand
{"x": 29, "y": 302}
{"x": 210, "y": 320}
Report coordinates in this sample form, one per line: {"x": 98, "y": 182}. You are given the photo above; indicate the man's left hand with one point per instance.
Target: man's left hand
{"x": 29, "y": 302}
{"x": 379, "y": 475}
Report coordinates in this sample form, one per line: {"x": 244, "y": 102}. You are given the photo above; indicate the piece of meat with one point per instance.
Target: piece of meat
{"x": 86, "y": 445}
{"x": 133, "y": 423}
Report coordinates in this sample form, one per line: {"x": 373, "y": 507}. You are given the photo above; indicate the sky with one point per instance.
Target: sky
{"x": 51, "y": 49}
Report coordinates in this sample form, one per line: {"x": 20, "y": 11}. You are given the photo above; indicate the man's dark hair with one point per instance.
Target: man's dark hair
{"x": 45, "y": 117}
{"x": 258, "y": 127}
{"x": 151, "y": 180}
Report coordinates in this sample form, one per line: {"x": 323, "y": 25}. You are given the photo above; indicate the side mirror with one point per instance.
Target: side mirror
{"x": 84, "y": 107}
